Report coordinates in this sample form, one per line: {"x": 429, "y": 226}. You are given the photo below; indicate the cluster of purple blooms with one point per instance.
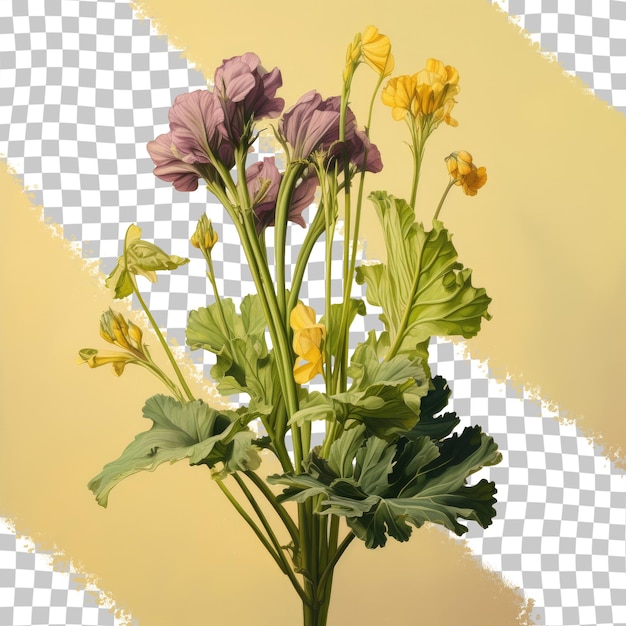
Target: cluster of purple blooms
{"x": 209, "y": 129}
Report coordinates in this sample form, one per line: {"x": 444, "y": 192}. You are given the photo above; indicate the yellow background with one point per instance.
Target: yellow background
{"x": 544, "y": 237}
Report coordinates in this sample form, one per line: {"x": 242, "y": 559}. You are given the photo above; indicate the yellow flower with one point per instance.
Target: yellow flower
{"x": 465, "y": 173}
{"x": 95, "y": 358}
{"x": 437, "y": 84}
{"x": 376, "y": 51}
{"x": 307, "y": 340}
{"x": 399, "y": 94}
{"x": 427, "y": 96}
{"x": 371, "y": 47}
{"x": 473, "y": 181}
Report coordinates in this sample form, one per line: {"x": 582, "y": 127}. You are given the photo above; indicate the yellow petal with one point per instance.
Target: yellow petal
{"x": 304, "y": 372}
{"x": 376, "y": 51}
{"x": 302, "y": 316}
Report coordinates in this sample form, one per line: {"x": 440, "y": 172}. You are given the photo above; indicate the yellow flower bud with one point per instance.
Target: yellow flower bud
{"x": 120, "y": 332}
{"x": 464, "y": 173}
{"x": 135, "y": 334}
{"x": 459, "y": 163}
{"x": 353, "y": 56}
{"x": 204, "y": 237}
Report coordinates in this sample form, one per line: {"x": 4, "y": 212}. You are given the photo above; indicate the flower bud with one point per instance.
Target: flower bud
{"x": 459, "y": 163}
{"x": 120, "y": 332}
{"x": 205, "y": 237}
{"x": 464, "y": 173}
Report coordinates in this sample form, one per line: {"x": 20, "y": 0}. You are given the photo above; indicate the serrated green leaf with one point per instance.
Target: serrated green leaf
{"x": 384, "y": 489}
{"x": 423, "y": 278}
{"x": 432, "y": 403}
{"x": 193, "y": 431}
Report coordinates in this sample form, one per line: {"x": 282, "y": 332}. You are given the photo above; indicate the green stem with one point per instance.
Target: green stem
{"x": 166, "y": 380}
{"x": 251, "y": 523}
{"x": 285, "y": 193}
{"x": 263, "y": 282}
{"x": 316, "y": 228}
{"x": 276, "y": 505}
{"x": 443, "y": 198}
{"x": 343, "y": 350}
{"x": 336, "y": 556}
{"x": 159, "y": 335}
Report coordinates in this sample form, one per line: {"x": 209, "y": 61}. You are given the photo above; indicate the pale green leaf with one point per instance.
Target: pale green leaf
{"x": 422, "y": 289}
{"x": 193, "y": 431}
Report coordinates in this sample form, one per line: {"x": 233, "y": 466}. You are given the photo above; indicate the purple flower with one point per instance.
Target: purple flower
{"x": 247, "y": 92}
{"x": 312, "y": 124}
{"x": 360, "y": 148}
{"x": 171, "y": 168}
{"x": 308, "y": 125}
{"x": 197, "y": 127}
{"x": 196, "y": 132}
{"x": 263, "y": 179}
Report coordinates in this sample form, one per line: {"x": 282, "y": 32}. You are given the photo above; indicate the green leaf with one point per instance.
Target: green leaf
{"x": 244, "y": 364}
{"x": 140, "y": 257}
{"x": 193, "y": 431}
{"x": 432, "y": 403}
{"x": 313, "y": 406}
{"x": 355, "y": 306}
{"x": 384, "y": 489}
{"x": 423, "y": 290}
{"x": 385, "y": 394}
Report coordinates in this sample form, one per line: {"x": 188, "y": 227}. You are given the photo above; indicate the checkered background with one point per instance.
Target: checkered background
{"x": 84, "y": 85}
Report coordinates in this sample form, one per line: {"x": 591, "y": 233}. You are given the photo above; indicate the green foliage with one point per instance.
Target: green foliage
{"x": 140, "y": 257}
{"x": 435, "y": 401}
{"x": 383, "y": 488}
{"x": 244, "y": 364}
{"x": 422, "y": 289}
{"x": 385, "y": 394}
{"x": 179, "y": 431}
{"x": 355, "y": 306}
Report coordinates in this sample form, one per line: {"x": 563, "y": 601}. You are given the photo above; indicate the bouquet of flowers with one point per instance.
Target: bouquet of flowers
{"x": 389, "y": 460}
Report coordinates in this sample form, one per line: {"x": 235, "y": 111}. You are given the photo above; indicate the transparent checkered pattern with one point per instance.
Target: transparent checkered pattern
{"x": 32, "y": 592}
{"x": 84, "y": 85}
{"x": 587, "y": 37}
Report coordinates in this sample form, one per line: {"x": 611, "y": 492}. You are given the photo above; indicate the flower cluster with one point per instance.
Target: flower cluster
{"x": 115, "y": 329}
{"x": 208, "y": 127}
{"x": 427, "y": 96}
{"x": 388, "y": 460}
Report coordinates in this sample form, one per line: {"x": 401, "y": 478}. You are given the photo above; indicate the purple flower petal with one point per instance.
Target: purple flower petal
{"x": 196, "y": 124}
{"x": 247, "y": 93}
{"x": 182, "y": 175}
